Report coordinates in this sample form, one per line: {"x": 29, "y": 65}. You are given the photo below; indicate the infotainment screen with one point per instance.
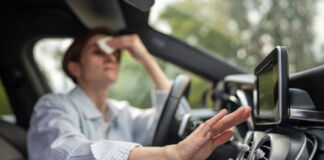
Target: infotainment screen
{"x": 271, "y": 85}
{"x": 268, "y": 93}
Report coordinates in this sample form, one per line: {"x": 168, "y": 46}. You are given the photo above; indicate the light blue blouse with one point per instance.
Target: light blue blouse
{"x": 66, "y": 126}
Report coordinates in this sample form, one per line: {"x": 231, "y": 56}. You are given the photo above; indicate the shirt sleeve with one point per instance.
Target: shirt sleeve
{"x": 55, "y": 134}
{"x": 145, "y": 121}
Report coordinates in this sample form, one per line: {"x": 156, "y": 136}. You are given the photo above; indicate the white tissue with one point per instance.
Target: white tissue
{"x": 102, "y": 43}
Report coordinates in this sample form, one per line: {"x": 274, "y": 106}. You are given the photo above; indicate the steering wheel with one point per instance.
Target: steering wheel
{"x": 180, "y": 88}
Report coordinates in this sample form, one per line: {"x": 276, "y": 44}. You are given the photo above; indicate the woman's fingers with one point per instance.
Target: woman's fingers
{"x": 122, "y": 42}
{"x": 209, "y": 123}
{"x": 231, "y": 120}
{"x": 212, "y": 143}
{"x": 202, "y": 134}
{"x": 221, "y": 121}
{"x": 222, "y": 138}
{"x": 212, "y": 133}
{"x": 129, "y": 42}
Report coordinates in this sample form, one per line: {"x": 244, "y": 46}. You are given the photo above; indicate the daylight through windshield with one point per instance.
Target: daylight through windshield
{"x": 244, "y": 32}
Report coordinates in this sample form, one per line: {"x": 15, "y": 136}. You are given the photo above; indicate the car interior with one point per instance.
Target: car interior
{"x": 287, "y": 120}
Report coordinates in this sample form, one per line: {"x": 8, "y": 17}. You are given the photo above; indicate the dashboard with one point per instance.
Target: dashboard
{"x": 288, "y": 115}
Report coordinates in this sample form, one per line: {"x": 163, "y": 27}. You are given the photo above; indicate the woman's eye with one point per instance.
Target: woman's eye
{"x": 98, "y": 52}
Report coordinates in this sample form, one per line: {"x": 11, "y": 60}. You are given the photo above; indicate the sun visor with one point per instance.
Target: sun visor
{"x": 99, "y": 13}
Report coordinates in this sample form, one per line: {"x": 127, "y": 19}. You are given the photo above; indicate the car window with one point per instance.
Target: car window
{"x": 244, "y": 32}
{"x": 133, "y": 79}
{"x": 48, "y": 54}
{"x": 5, "y": 107}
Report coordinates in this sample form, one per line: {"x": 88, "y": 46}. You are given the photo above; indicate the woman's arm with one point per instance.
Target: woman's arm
{"x": 199, "y": 144}
{"x": 55, "y": 133}
{"x": 134, "y": 45}
{"x": 148, "y": 153}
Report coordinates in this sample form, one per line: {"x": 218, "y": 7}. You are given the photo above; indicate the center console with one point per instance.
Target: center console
{"x": 283, "y": 110}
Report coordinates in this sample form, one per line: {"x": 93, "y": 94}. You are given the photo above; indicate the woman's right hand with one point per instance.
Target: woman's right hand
{"x": 200, "y": 143}
{"x": 209, "y": 135}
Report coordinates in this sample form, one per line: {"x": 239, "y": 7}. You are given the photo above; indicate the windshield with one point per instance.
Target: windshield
{"x": 242, "y": 33}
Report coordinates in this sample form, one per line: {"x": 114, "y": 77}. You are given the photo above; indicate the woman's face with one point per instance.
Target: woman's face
{"x": 95, "y": 66}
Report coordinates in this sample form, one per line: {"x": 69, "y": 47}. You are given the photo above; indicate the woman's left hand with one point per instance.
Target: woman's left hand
{"x": 133, "y": 44}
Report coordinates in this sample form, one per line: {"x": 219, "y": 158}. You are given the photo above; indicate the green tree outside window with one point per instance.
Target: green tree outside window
{"x": 5, "y": 108}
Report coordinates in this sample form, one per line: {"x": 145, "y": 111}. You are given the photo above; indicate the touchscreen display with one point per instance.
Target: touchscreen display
{"x": 271, "y": 89}
{"x": 267, "y": 86}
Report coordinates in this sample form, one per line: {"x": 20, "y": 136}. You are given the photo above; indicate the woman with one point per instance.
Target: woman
{"x": 85, "y": 125}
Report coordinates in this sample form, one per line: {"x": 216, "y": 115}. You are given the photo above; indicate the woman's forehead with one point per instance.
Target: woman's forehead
{"x": 93, "y": 40}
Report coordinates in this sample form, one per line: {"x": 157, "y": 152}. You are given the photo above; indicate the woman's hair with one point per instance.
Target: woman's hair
{"x": 73, "y": 54}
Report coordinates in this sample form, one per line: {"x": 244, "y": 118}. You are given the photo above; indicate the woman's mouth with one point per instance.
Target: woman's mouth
{"x": 109, "y": 68}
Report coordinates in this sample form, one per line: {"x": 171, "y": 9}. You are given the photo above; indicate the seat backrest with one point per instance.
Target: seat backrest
{"x": 13, "y": 138}
{"x": 8, "y": 151}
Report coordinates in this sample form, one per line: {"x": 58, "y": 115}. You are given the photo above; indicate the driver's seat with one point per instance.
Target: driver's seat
{"x": 12, "y": 141}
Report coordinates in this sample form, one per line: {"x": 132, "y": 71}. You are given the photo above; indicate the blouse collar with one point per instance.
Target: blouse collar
{"x": 84, "y": 103}
{"x": 88, "y": 108}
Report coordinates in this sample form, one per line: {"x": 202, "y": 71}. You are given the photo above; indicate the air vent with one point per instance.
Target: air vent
{"x": 249, "y": 143}
{"x": 263, "y": 151}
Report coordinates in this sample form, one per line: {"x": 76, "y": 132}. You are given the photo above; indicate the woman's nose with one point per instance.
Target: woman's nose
{"x": 110, "y": 57}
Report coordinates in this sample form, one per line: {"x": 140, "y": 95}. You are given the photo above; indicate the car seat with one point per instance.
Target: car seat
{"x": 12, "y": 141}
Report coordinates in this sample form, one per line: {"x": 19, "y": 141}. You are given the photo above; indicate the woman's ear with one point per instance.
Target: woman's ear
{"x": 74, "y": 69}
